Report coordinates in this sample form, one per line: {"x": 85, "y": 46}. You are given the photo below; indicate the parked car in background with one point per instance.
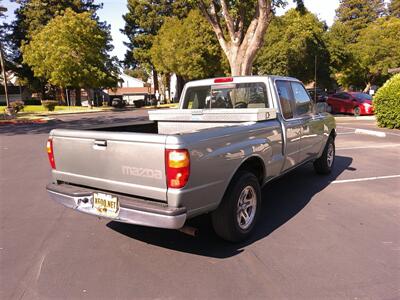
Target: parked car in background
{"x": 322, "y": 96}
{"x": 118, "y": 103}
{"x": 350, "y": 102}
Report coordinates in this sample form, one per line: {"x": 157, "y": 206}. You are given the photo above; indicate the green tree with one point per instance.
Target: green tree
{"x": 352, "y": 17}
{"x": 142, "y": 22}
{"x": 187, "y": 48}
{"x": 291, "y": 44}
{"x": 2, "y": 9}
{"x": 344, "y": 64}
{"x": 394, "y": 8}
{"x": 71, "y": 51}
{"x": 357, "y": 14}
{"x": 30, "y": 18}
{"x": 378, "y": 49}
{"x": 138, "y": 72}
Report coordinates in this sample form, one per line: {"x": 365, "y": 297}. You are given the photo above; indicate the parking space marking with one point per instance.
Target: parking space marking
{"x": 345, "y": 133}
{"x": 369, "y": 147}
{"x": 372, "y": 132}
{"x": 366, "y": 179}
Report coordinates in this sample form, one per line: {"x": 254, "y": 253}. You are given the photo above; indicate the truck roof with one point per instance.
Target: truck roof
{"x": 238, "y": 79}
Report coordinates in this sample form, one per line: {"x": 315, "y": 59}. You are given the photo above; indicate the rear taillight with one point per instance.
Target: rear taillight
{"x": 177, "y": 167}
{"x": 50, "y": 153}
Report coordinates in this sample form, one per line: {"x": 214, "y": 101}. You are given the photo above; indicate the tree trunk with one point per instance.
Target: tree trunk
{"x": 78, "y": 97}
{"x": 42, "y": 92}
{"x": 367, "y": 87}
{"x": 239, "y": 45}
{"x": 62, "y": 95}
{"x": 180, "y": 82}
{"x": 168, "y": 87}
{"x": 240, "y": 62}
{"x": 155, "y": 80}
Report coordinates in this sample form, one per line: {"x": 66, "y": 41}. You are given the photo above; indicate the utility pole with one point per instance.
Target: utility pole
{"x": 315, "y": 80}
{"x": 3, "y": 71}
{"x": 3, "y": 68}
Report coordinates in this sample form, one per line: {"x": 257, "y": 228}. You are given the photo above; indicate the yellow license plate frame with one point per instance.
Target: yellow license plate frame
{"x": 106, "y": 205}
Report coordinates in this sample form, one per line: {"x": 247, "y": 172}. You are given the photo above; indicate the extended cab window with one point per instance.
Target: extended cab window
{"x": 302, "y": 99}
{"x": 286, "y": 98}
{"x": 232, "y": 95}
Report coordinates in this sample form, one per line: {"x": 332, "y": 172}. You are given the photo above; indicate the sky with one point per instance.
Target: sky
{"x": 114, "y": 9}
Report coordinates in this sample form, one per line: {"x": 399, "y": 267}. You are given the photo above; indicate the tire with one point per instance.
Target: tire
{"x": 232, "y": 222}
{"x": 324, "y": 164}
{"x": 357, "y": 111}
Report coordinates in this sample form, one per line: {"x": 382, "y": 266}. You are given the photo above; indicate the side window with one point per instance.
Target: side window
{"x": 195, "y": 97}
{"x": 286, "y": 98}
{"x": 303, "y": 101}
{"x": 346, "y": 96}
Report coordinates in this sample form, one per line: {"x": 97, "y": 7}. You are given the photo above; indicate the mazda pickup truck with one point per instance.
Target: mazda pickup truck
{"x": 228, "y": 138}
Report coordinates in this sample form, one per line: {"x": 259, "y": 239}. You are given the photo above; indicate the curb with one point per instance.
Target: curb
{"x": 24, "y": 122}
{"x": 365, "y": 118}
{"x": 73, "y": 113}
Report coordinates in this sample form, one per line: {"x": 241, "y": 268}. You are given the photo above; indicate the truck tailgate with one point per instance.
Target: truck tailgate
{"x": 129, "y": 163}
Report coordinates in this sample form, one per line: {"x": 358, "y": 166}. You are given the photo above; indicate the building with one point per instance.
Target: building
{"x": 15, "y": 90}
{"x": 130, "y": 89}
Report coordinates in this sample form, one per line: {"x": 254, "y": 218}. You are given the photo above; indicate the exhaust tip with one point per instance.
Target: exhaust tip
{"x": 189, "y": 230}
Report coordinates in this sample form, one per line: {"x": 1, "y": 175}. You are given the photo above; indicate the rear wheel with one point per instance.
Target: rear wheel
{"x": 237, "y": 214}
{"x": 329, "y": 109}
{"x": 324, "y": 164}
{"x": 357, "y": 111}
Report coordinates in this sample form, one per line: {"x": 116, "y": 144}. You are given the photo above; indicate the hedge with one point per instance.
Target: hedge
{"x": 387, "y": 103}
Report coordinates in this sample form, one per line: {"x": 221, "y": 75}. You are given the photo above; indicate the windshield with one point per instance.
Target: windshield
{"x": 363, "y": 96}
{"x": 236, "y": 95}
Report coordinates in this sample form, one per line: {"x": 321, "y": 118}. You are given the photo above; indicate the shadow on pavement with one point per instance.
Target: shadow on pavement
{"x": 282, "y": 200}
{"x": 70, "y": 123}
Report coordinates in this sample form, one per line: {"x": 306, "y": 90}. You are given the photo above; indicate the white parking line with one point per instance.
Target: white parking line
{"x": 366, "y": 179}
{"x": 345, "y": 133}
{"x": 369, "y": 147}
{"x": 371, "y": 132}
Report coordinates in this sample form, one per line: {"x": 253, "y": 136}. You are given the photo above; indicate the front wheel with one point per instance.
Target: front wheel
{"x": 357, "y": 111}
{"x": 324, "y": 164}
{"x": 237, "y": 214}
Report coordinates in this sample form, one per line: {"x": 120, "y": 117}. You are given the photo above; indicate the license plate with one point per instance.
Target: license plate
{"x": 106, "y": 205}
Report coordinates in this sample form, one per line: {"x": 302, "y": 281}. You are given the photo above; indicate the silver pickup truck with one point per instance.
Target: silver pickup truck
{"x": 229, "y": 137}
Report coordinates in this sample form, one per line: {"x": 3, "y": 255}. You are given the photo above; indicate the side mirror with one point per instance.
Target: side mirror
{"x": 321, "y": 107}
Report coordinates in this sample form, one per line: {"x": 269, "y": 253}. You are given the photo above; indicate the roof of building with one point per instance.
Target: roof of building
{"x": 130, "y": 91}
{"x": 126, "y": 76}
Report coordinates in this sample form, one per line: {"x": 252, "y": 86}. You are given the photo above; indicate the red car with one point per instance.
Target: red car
{"x": 352, "y": 102}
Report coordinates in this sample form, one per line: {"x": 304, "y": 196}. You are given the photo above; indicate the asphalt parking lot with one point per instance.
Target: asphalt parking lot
{"x": 319, "y": 237}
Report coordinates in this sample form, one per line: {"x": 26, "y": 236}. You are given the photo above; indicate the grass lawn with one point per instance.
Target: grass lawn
{"x": 41, "y": 109}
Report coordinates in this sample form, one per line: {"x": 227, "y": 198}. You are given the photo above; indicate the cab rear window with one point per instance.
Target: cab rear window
{"x": 230, "y": 95}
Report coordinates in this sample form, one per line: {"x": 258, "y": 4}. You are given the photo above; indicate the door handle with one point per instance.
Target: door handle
{"x": 100, "y": 143}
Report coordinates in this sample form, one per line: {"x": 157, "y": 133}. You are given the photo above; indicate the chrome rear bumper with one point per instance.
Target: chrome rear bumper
{"x": 132, "y": 210}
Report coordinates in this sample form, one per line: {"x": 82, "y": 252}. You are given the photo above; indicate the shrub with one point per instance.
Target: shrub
{"x": 17, "y": 106}
{"x": 49, "y": 104}
{"x": 387, "y": 103}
